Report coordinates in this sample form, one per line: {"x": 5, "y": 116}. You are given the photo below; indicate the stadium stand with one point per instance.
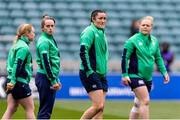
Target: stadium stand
{"x": 73, "y": 16}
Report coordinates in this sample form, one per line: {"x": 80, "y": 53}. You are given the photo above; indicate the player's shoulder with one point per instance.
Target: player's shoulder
{"x": 88, "y": 29}
{"x": 42, "y": 40}
{"x": 132, "y": 38}
{"x": 87, "y": 32}
{"x": 153, "y": 38}
{"x": 21, "y": 44}
{"x": 135, "y": 36}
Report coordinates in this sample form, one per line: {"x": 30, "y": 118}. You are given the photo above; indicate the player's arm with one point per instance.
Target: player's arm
{"x": 20, "y": 57}
{"x": 44, "y": 56}
{"x": 159, "y": 61}
{"x": 160, "y": 64}
{"x": 86, "y": 42}
{"x": 128, "y": 49}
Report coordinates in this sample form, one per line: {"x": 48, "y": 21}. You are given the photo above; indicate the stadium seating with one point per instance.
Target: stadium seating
{"x": 73, "y": 16}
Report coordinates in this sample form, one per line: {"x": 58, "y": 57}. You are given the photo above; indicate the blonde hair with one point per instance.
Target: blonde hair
{"x": 147, "y": 18}
{"x": 22, "y": 30}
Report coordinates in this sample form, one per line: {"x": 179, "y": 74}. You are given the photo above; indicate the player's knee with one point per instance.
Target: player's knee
{"x": 12, "y": 109}
{"x": 29, "y": 108}
{"x": 32, "y": 107}
{"x": 145, "y": 102}
{"x": 136, "y": 103}
{"x": 99, "y": 107}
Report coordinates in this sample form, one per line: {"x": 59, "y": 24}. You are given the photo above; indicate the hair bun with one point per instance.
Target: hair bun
{"x": 45, "y": 16}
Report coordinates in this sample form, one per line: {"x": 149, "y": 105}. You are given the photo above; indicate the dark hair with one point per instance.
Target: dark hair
{"x": 46, "y": 17}
{"x": 95, "y": 12}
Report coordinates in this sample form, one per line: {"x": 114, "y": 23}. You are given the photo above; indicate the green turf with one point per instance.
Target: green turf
{"x": 73, "y": 109}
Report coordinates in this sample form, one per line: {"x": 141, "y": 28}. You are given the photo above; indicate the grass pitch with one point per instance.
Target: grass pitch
{"x": 114, "y": 109}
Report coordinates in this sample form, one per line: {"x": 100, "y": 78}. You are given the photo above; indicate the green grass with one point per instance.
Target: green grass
{"x": 114, "y": 109}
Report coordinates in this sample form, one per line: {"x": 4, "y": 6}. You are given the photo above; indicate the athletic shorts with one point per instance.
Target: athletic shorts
{"x": 20, "y": 90}
{"x": 137, "y": 82}
{"x": 93, "y": 82}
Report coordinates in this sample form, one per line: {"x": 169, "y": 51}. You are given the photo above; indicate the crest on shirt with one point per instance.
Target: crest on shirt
{"x": 153, "y": 43}
{"x": 140, "y": 43}
{"x": 97, "y": 35}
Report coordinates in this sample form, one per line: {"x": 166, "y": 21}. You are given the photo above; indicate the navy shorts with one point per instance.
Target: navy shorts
{"x": 20, "y": 90}
{"x": 93, "y": 82}
{"x": 138, "y": 82}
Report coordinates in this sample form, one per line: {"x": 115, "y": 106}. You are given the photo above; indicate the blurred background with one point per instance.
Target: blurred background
{"x": 72, "y": 16}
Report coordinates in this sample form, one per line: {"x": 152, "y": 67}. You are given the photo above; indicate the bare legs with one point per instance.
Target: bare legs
{"x": 100, "y": 114}
{"x": 12, "y": 106}
{"x": 134, "y": 114}
{"x": 141, "y": 104}
{"x": 96, "y": 110}
{"x": 28, "y": 105}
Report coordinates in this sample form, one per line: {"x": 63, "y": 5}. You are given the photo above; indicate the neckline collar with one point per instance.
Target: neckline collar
{"x": 96, "y": 27}
{"x": 47, "y": 35}
{"x": 25, "y": 39}
{"x": 146, "y": 37}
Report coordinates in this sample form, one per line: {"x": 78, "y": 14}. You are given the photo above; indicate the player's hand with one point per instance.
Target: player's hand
{"x": 9, "y": 86}
{"x": 60, "y": 85}
{"x": 166, "y": 79}
{"x": 56, "y": 86}
{"x": 126, "y": 80}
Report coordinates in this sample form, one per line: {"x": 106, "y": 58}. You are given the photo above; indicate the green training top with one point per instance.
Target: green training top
{"x": 93, "y": 50}
{"x": 48, "y": 57}
{"x": 19, "y": 62}
{"x": 139, "y": 55}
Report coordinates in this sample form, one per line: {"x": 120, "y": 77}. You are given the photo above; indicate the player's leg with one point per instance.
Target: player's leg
{"x": 28, "y": 105}
{"x": 97, "y": 98}
{"x": 99, "y": 115}
{"x": 46, "y": 96}
{"x": 94, "y": 88}
{"x": 12, "y": 106}
{"x": 143, "y": 97}
{"x": 105, "y": 89}
{"x": 134, "y": 113}
{"x": 140, "y": 89}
